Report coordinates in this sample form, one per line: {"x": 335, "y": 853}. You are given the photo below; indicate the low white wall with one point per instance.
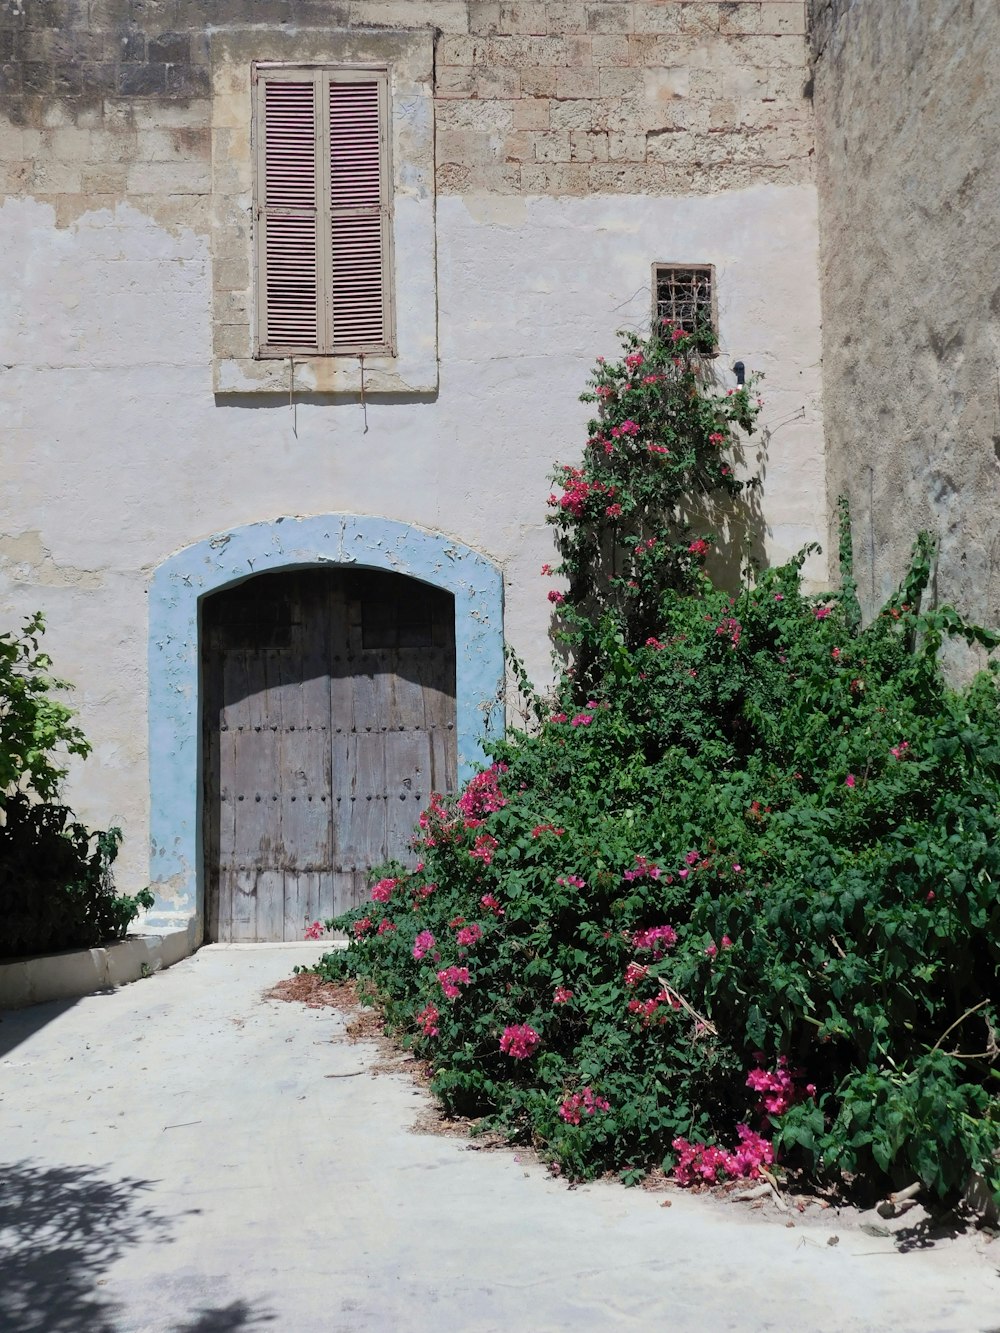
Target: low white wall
{"x": 76, "y": 972}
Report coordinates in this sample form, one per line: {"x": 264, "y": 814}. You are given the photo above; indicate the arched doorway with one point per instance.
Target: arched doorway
{"x": 328, "y": 718}
{"x": 183, "y": 586}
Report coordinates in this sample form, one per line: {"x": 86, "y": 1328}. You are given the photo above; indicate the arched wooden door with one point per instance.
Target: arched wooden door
{"x": 328, "y": 720}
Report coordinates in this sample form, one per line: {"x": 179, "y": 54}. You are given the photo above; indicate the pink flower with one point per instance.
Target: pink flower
{"x": 584, "y": 1102}
{"x": 556, "y": 597}
{"x": 899, "y": 751}
{"x": 634, "y": 360}
{"x": 519, "y": 1041}
{"x": 315, "y": 931}
{"x": 423, "y": 944}
{"x": 643, "y": 868}
{"x": 491, "y": 904}
{"x": 777, "y": 1087}
{"x": 635, "y": 973}
{"x": 382, "y": 891}
{"x": 712, "y": 950}
{"x": 546, "y": 569}
{"x": 613, "y": 511}
{"x": 539, "y": 829}
{"x": 427, "y": 1019}
{"x": 451, "y": 978}
{"x": 386, "y": 927}
{"x": 699, "y": 547}
{"x": 716, "y": 438}
{"x": 482, "y": 796}
{"x": 468, "y": 935}
{"x": 726, "y": 942}
{"x": 558, "y": 717}
{"x": 737, "y": 868}
{"x": 702, "y": 1161}
{"x": 692, "y": 857}
{"x": 655, "y": 938}
{"x": 484, "y": 848}
{"x": 582, "y": 720}
{"x": 849, "y": 780}
{"x": 562, "y": 995}
{"x": 572, "y": 881}
{"x": 677, "y": 335}
{"x": 822, "y": 612}
{"x": 362, "y": 927}
{"x": 646, "y": 1009}
{"x": 779, "y": 596}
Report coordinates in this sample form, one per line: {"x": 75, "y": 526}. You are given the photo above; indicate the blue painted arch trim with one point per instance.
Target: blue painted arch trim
{"x": 182, "y": 581}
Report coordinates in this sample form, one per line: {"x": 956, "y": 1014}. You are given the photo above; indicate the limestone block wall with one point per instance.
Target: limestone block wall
{"x": 908, "y": 128}
{"x": 558, "y": 149}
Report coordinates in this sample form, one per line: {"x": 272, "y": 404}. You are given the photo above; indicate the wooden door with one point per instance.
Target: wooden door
{"x": 329, "y": 718}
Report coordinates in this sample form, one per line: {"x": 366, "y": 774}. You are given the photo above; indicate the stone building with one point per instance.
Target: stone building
{"x": 908, "y": 128}
{"x": 281, "y": 507}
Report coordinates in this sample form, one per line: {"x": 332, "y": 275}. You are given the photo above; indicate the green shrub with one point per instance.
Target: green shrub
{"x": 56, "y": 889}
{"x": 738, "y": 898}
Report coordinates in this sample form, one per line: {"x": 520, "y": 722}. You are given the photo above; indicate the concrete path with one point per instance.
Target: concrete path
{"x": 177, "y": 1155}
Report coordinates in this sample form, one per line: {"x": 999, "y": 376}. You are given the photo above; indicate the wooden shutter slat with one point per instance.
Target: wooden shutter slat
{"x": 357, "y": 213}
{"x": 357, "y": 281}
{"x": 290, "y": 215}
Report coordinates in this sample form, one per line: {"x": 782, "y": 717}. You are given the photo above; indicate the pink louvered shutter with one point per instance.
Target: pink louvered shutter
{"x": 358, "y": 212}
{"x": 289, "y": 217}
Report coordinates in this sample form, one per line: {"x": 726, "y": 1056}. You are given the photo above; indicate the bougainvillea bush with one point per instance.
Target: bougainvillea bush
{"x": 733, "y": 909}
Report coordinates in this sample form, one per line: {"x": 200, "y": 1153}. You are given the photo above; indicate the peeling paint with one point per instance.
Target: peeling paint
{"x": 25, "y": 559}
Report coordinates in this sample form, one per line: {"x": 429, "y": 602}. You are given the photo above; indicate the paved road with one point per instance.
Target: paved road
{"x": 174, "y": 1156}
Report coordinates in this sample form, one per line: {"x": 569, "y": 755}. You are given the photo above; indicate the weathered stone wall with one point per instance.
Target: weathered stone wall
{"x": 571, "y": 145}
{"x": 908, "y": 126}
{"x": 575, "y": 97}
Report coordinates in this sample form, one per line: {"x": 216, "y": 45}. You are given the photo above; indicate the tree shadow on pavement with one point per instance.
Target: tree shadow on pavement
{"x": 17, "y": 1025}
{"x": 227, "y": 1319}
{"x": 61, "y": 1229}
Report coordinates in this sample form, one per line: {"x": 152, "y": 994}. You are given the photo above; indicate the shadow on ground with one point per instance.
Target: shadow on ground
{"x": 61, "y": 1229}
{"x": 17, "y": 1025}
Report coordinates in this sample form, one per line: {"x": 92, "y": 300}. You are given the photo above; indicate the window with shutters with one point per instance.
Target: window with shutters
{"x": 323, "y": 210}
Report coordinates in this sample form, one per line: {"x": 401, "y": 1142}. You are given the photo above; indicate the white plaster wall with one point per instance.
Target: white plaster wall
{"x": 114, "y": 453}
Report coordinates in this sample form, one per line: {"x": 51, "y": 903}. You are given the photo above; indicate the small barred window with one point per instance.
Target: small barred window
{"x": 684, "y": 297}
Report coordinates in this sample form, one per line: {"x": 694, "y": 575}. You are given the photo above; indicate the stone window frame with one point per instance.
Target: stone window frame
{"x": 411, "y": 366}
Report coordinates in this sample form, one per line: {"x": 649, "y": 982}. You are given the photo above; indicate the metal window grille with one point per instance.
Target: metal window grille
{"x": 684, "y": 297}
{"x": 322, "y": 211}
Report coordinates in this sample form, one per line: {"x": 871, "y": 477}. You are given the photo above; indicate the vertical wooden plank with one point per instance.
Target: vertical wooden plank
{"x": 407, "y": 762}
{"x": 270, "y": 904}
{"x": 444, "y": 766}
{"x": 303, "y": 902}
{"x": 305, "y": 754}
{"x": 241, "y": 890}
